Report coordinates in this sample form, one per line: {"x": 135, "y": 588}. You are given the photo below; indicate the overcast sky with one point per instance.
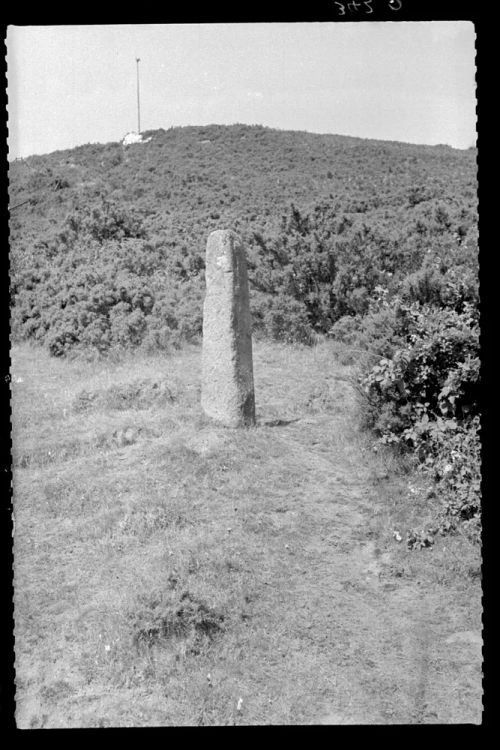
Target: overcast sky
{"x": 412, "y": 82}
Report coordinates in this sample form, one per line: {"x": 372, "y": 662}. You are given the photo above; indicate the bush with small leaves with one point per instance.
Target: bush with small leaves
{"x": 423, "y": 399}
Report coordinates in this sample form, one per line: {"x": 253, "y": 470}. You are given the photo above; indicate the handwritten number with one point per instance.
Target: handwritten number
{"x": 353, "y": 6}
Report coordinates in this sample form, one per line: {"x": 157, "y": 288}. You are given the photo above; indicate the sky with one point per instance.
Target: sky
{"x": 406, "y": 81}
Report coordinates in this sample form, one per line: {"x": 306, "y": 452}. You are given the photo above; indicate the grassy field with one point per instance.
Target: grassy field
{"x": 171, "y": 572}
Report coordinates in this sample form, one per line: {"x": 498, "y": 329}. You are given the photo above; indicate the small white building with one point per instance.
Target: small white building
{"x": 133, "y": 137}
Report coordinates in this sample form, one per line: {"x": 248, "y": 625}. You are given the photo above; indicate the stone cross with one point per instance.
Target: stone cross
{"x": 227, "y": 392}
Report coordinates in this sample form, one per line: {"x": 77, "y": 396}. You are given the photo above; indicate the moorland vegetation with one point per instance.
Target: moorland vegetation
{"x": 372, "y": 243}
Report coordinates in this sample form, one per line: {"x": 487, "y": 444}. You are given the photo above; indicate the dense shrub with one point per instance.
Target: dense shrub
{"x": 453, "y": 461}
{"x": 434, "y": 365}
{"x": 281, "y": 317}
{"x": 293, "y": 266}
{"x": 422, "y": 397}
{"x": 99, "y": 284}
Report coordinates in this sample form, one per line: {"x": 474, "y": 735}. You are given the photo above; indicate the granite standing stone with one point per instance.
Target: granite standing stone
{"x": 227, "y": 393}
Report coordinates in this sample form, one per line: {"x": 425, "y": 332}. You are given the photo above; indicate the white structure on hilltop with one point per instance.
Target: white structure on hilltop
{"x": 133, "y": 137}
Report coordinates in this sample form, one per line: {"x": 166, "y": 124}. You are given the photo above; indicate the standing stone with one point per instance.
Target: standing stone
{"x": 227, "y": 392}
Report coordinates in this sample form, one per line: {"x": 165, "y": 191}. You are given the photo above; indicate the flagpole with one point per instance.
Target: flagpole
{"x": 138, "y": 59}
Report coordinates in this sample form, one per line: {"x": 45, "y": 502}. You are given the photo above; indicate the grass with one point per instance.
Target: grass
{"x": 172, "y": 572}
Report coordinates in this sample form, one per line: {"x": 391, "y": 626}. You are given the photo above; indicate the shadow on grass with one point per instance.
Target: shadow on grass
{"x": 278, "y": 422}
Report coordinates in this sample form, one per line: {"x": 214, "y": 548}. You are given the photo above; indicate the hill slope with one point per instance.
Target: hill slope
{"x": 145, "y": 211}
{"x": 237, "y": 171}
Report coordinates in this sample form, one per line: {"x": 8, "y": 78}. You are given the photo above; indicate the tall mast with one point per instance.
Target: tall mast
{"x": 138, "y": 59}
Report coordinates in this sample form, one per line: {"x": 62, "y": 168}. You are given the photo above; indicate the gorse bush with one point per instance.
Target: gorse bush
{"x": 98, "y": 284}
{"x": 308, "y": 270}
{"x": 422, "y": 397}
{"x": 434, "y": 363}
{"x": 281, "y": 317}
{"x": 292, "y": 270}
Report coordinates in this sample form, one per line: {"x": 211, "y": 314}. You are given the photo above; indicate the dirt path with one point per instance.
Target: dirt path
{"x": 287, "y": 528}
{"x": 386, "y": 637}
{"x": 391, "y": 637}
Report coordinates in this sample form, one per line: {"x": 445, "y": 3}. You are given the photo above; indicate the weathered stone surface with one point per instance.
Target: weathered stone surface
{"x": 227, "y": 393}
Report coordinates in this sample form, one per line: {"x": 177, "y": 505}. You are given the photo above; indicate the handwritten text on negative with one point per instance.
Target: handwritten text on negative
{"x": 364, "y": 6}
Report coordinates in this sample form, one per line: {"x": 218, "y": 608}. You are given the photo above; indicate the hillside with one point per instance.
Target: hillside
{"x": 97, "y": 205}
{"x": 237, "y": 171}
